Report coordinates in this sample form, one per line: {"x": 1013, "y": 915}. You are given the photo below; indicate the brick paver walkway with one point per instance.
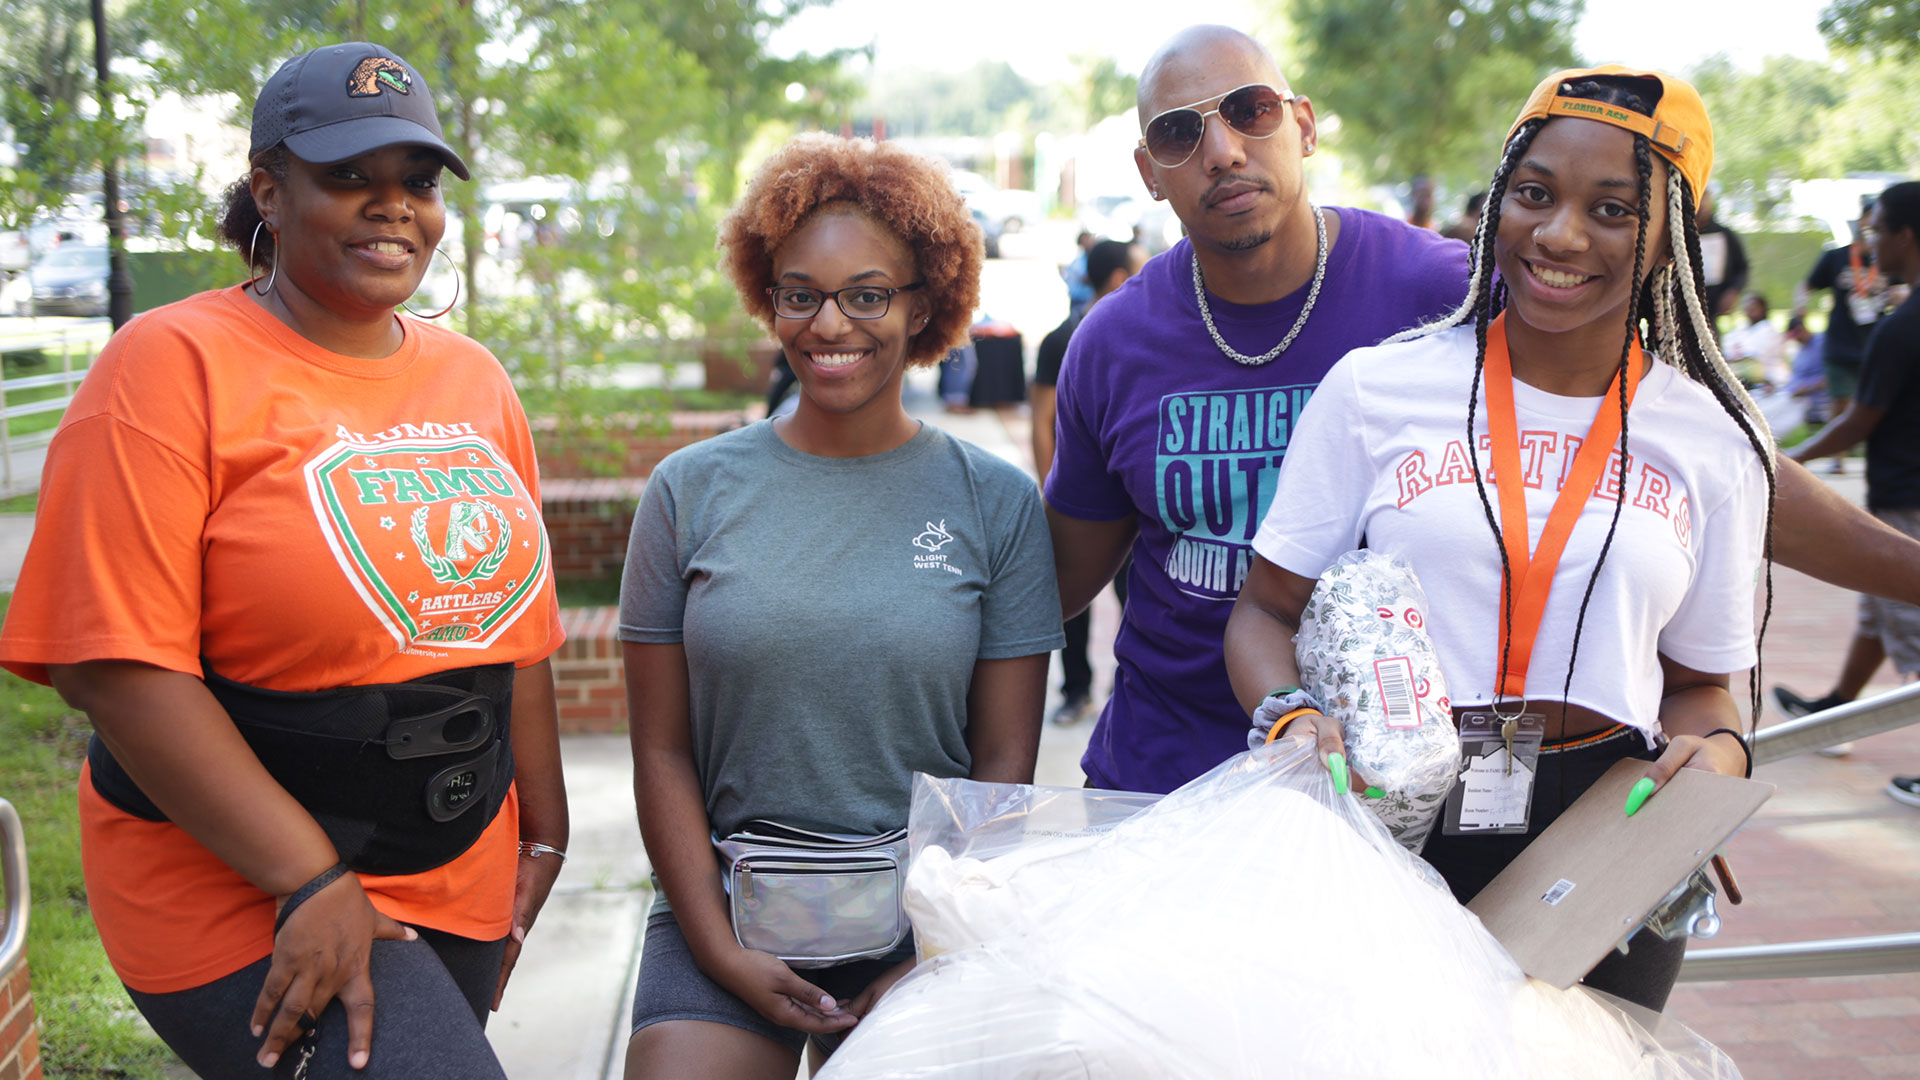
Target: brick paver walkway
{"x": 1829, "y": 856}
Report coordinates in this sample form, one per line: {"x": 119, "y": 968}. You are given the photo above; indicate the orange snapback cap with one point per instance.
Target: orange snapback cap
{"x": 1678, "y": 129}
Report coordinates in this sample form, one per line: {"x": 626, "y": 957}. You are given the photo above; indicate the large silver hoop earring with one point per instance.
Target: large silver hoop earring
{"x": 456, "y": 289}
{"x": 252, "y": 245}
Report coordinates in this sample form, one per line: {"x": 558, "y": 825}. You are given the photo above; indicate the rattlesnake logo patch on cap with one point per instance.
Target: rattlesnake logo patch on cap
{"x": 376, "y": 74}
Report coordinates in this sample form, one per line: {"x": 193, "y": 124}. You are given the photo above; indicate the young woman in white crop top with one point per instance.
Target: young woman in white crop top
{"x": 1528, "y": 438}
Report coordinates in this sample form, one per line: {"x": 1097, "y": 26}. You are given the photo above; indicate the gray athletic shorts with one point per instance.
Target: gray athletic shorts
{"x": 672, "y": 987}
{"x": 1897, "y": 625}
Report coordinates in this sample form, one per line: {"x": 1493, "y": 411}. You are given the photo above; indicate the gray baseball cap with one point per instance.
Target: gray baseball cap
{"x": 341, "y": 101}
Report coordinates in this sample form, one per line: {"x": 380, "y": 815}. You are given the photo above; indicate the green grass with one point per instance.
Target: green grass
{"x": 89, "y": 1027}
{"x": 600, "y": 592}
{"x": 603, "y": 400}
{"x": 20, "y": 504}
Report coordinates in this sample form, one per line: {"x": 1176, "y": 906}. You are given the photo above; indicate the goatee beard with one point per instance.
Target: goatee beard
{"x": 1247, "y": 242}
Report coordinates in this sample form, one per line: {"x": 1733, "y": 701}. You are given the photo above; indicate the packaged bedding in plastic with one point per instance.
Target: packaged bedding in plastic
{"x": 996, "y": 826}
{"x": 1365, "y": 656}
{"x": 1251, "y": 924}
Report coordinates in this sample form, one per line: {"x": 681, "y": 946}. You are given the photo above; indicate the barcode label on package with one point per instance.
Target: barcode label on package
{"x": 1558, "y": 893}
{"x": 1395, "y": 677}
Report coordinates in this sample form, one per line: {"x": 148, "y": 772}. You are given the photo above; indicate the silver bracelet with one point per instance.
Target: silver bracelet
{"x": 531, "y": 850}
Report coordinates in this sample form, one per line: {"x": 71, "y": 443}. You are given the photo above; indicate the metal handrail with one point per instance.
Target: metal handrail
{"x": 13, "y": 876}
{"x": 1891, "y": 954}
{"x": 1842, "y": 723}
{"x": 87, "y": 334}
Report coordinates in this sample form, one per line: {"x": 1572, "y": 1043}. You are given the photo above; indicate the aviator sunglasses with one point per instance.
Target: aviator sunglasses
{"x": 1254, "y": 110}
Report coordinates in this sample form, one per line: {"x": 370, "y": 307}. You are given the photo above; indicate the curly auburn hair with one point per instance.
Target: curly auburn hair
{"x": 909, "y": 195}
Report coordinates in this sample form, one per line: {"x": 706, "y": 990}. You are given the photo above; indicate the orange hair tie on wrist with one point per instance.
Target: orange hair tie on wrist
{"x": 1290, "y": 718}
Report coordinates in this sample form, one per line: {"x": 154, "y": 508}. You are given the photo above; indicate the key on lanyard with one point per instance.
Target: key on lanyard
{"x": 1507, "y": 729}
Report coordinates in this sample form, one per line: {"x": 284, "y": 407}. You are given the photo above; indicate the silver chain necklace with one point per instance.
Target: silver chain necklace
{"x": 1319, "y": 272}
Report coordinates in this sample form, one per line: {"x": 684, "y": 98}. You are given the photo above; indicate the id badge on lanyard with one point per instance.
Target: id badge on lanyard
{"x": 1499, "y": 757}
{"x": 1500, "y": 753}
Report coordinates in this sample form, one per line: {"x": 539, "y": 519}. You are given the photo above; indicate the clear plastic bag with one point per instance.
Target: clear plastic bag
{"x": 970, "y": 838}
{"x": 1365, "y": 656}
{"x": 1251, "y": 924}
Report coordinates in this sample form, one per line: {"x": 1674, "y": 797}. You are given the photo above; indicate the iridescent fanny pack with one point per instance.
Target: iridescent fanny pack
{"x": 815, "y": 899}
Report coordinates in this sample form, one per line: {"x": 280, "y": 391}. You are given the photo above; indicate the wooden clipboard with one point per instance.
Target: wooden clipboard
{"x": 1595, "y": 874}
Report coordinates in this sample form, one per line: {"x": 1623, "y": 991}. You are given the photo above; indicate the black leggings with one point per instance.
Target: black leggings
{"x": 1645, "y": 974}
{"x": 430, "y": 1015}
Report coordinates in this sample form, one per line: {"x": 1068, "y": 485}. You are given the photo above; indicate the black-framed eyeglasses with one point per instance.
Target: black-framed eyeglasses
{"x": 1254, "y": 110}
{"x": 856, "y": 301}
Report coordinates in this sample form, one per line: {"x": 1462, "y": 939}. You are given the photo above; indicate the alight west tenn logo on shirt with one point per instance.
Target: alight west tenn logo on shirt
{"x": 433, "y": 528}
{"x": 931, "y": 540}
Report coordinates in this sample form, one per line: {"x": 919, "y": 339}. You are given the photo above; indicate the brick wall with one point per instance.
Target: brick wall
{"x": 588, "y": 516}
{"x": 623, "y": 446}
{"x": 590, "y": 685}
{"x": 19, "y": 1034}
{"x": 587, "y": 524}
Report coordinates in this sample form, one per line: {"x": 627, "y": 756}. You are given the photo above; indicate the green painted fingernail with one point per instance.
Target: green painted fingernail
{"x": 1337, "y": 765}
{"x": 1374, "y": 792}
{"x": 1638, "y": 796}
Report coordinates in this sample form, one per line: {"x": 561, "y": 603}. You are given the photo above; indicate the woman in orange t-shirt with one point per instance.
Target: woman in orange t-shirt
{"x": 289, "y": 561}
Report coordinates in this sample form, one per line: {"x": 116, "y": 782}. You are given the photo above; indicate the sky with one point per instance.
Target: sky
{"x": 1038, "y": 37}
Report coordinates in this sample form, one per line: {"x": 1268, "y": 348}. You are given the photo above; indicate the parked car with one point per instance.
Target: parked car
{"x": 1125, "y": 217}
{"x": 70, "y": 280}
{"x": 988, "y": 229}
{"x": 1009, "y": 209}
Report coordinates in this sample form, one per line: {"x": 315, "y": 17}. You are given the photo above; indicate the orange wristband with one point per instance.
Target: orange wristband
{"x": 1290, "y": 718}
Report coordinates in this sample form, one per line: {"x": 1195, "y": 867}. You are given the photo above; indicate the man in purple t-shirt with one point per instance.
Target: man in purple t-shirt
{"x": 1175, "y": 403}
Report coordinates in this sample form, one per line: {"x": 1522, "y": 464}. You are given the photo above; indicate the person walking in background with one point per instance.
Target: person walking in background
{"x": 1884, "y": 414}
{"x": 1469, "y": 221}
{"x": 281, "y": 528}
{"x": 1858, "y": 292}
{"x": 1109, "y": 264}
{"x": 817, "y": 606}
{"x": 1420, "y": 203}
{"x": 1081, "y": 287}
{"x": 1723, "y": 261}
{"x": 1758, "y": 350}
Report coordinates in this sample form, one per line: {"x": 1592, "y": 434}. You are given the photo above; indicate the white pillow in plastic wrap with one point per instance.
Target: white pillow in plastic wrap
{"x": 1365, "y": 656}
{"x": 1252, "y": 924}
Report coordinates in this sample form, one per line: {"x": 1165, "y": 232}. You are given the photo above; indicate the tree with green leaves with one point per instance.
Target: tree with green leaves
{"x": 1756, "y": 142}
{"x": 1848, "y": 116}
{"x": 1424, "y": 87}
{"x": 1102, "y": 89}
{"x": 644, "y": 106}
{"x": 46, "y": 74}
{"x": 1877, "y": 27}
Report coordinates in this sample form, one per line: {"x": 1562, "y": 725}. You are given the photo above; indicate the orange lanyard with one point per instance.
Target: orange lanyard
{"x": 1532, "y": 574}
{"x": 1862, "y": 282}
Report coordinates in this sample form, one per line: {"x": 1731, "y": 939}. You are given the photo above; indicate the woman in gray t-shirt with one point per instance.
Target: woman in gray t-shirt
{"x": 818, "y": 606}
